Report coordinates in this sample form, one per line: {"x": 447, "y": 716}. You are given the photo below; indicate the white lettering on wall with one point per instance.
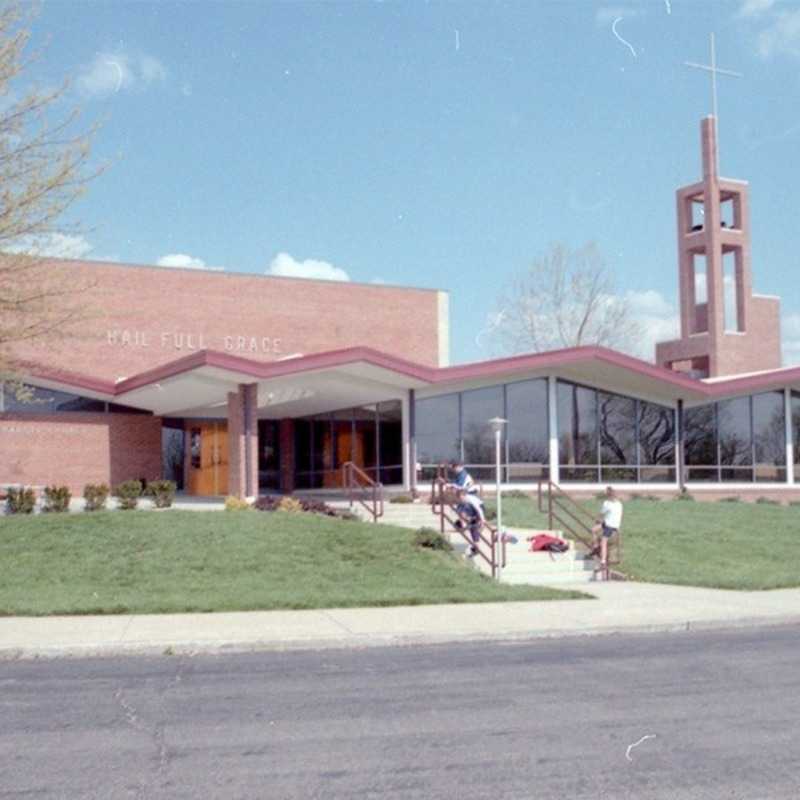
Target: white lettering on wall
{"x": 183, "y": 340}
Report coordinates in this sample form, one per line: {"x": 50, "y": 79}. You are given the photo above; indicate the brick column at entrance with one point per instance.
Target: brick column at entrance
{"x": 236, "y": 463}
{"x": 243, "y": 441}
{"x": 286, "y": 447}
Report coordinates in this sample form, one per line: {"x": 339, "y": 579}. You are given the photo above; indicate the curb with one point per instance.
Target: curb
{"x": 356, "y": 642}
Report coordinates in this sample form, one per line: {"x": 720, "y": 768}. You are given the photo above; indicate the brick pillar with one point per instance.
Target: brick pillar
{"x": 236, "y": 449}
{"x": 286, "y": 436}
{"x": 250, "y": 395}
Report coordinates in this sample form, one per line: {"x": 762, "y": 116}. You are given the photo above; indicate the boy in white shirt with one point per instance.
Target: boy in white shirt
{"x": 608, "y": 523}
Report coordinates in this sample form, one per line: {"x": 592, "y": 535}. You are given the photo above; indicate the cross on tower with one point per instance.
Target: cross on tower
{"x": 714, "y": 70}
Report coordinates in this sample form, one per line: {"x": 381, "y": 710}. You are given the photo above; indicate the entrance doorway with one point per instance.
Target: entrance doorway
{"x": 208, "y": 459}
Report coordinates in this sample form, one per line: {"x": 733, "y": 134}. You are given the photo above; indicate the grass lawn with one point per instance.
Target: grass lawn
{"x": 723, "y": 545}
{"x": 151, "y": 562}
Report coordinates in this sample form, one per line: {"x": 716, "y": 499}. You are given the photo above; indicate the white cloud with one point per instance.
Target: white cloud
{"x": 754, "y": 8}
{"x": 790, "y": 335}
{"x": 114, "y": 71}
{"x": 181, "y": 260}
{"x": 657, "y": 319}
{"x": 52, "y": 245}
{"x": 605, "y": 15}
{"x": 777, "y": 27}
{"x": 782, "y": 35}
{"x": 284, "y": 265}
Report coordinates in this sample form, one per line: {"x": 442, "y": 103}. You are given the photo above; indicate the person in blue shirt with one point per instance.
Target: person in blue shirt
{"x": 463, "y": 480}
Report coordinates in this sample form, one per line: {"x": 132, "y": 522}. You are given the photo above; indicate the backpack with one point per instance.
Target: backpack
{"x": 545, "y": 542}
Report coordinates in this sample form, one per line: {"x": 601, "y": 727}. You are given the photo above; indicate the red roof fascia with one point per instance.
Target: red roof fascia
{"x": 433, "y": 375}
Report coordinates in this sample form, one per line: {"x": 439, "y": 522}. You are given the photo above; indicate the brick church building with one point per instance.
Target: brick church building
{"x": 243, "y": 384}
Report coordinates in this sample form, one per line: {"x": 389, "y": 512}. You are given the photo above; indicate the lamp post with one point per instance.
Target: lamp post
{"x": 497, "y": 424}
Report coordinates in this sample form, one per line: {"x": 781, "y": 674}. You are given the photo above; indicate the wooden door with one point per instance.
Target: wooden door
{"x": 208, "y": 459}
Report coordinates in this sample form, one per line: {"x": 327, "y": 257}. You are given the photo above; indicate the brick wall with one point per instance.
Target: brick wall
{"x": 142, "y": 317}
{"x": 78, "y": 448}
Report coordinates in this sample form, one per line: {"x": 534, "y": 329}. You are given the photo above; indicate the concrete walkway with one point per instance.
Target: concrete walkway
{"x": 619, "y": 608}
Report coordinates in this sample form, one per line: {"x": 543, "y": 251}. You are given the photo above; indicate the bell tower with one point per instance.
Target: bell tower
{"x": 725, "y": 328}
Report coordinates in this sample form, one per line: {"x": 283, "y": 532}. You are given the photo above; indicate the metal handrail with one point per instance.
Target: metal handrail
{"x": 448, "y": 512}
{"x": 362, "y": 489}
{"x": 557, "y": 500}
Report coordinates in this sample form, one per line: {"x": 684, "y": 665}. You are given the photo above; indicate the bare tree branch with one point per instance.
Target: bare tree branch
{"x": 566, "y": 298}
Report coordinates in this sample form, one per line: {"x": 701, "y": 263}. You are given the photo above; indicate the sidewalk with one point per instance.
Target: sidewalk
{"x": 619, "y": 608}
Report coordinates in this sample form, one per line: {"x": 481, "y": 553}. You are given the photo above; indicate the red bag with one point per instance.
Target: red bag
{"x": 552, "y": 544}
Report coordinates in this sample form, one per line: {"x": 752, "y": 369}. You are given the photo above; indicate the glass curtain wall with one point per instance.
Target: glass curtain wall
{"x": 795, "y": 407}
{"x": 456, "y": 427}
{"x": 269, "y": 455}
{"x": 605, "y": 437}
{"x": 740, "y": 440}
{"x": 369, "y": 436}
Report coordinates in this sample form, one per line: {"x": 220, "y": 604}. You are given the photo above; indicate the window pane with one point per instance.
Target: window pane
{"x": 477, "y": 408}
{"x": 796, "y": 428}
{"x": 49, "y": 401}
{"x": 269, "y": 461}
{"x": 577, "y": 424}
{"x": 437, "y": 429}
{"x": 769, "y": 429}
{"x": 700, "y": 440}
{"x": 617, "y": 416}
{"x": 526, "y": 432}
{"x": 390, "y": 442}
{"x": 656, "y": 434}
{"x": 735, "y": 440}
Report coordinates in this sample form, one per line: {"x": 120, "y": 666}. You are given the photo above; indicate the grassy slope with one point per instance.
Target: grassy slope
{"x": 149, "y": 562}
{"x": 725, "y": 545}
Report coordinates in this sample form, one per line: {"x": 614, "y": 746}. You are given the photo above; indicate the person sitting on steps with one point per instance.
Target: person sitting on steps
{"x": 470, "y": 509}
{"x": 608, "y": 523}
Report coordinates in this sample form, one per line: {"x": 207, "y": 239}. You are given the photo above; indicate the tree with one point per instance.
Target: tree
{"x": 565, "y": 298}
{"x": 43, "y": 170}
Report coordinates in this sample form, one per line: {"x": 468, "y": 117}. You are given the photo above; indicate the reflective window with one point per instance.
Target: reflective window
{"x": 47, "y": 401}
{"x": 390, "y": 442}
{"x": 577, "y": 432}
{"x": 269, "y": 455}
{"x": 477, "y": 408}
{"x": 795, "y": 406}
{"x": 527, "y": 437}
{"x": 769, "y": 436}
{"x": 437, "y": 429}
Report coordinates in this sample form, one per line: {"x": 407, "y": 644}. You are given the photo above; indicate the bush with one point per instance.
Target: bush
{"x": 651, "y": 498}
{"x": 432, "y": 540}
{"x": 20, "y": 501}
{"x": 684, "y": 495}
{"x": 401, "y": 498}
{"x": 516, "y": 494}
{"x": 768, "y": 501}
{"x": 289, "y": 505}
{"x": 734, "y": 499}
{"x": 128, "y": 494}
{"x": 56, "y": 499}
{"x": 162, "y": 492}
{"x": 294, "y": 504}
{"x": 236, "y": 504}
{"x": 95, "y": 496}
{"x": 348, "y": 516}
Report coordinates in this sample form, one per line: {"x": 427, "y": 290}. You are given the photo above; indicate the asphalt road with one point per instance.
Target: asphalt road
{"x": 544, "y": 719}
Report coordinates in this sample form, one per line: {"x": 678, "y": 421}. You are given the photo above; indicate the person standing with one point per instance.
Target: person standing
{"x": 608, "y": 523}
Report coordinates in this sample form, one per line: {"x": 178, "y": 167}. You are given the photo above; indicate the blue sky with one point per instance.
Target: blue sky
{"x": 430, "y": 144}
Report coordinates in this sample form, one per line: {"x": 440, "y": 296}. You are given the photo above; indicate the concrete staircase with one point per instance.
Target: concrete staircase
{"x": 522, "y": 566}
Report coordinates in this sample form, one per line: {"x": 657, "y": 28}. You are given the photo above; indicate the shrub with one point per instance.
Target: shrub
{"x": 794, "y": 502}
{"x": 684, "y": 495}
{"x": 294, "y": 504}
{"x": 20, "y": 501}
{"x": 95, "y": 496}
{"x": 348, "y": 516}
{"x": 56, "y": 498}
{"x": 651, "y": 498}
{"x": 401, "y": 498}
{"x": 162, "y": 492}
{"x": 128, "y": 494}
{"x": 734, "y": 499}
{"x": 516, "y": 494}
{"x": 767, "y": 501}
{"x": 432, "y": 540}
{"x": 236, "y": 504}
{"x": 289, "y": 505}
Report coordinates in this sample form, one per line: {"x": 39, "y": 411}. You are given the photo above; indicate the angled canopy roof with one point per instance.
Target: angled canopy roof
{"x": 359, "y": 375}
